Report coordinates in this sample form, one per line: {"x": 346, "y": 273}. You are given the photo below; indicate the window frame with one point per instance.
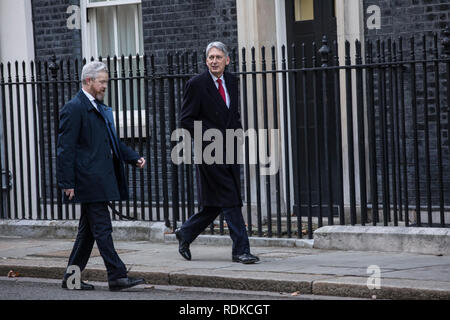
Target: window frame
{"x": 89, "y": 49}
{"x": 89, "y": 34}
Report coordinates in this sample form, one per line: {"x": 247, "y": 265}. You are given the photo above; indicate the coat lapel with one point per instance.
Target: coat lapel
{"x": 85, "y": 100}
{"x": 231, "y": 88}
{"x": 212, "y": 89}
{"x": 109, "y": 120}
{"x": 107, "y": 111}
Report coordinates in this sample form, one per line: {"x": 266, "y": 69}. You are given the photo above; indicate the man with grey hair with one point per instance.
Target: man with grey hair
{"x": 212, "y": 98}
{"x": 90, "y": 170}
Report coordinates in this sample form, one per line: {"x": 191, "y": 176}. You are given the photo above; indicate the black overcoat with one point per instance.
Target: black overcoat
{"x": 90, "y": 157}
{"x": 218, "y": 184}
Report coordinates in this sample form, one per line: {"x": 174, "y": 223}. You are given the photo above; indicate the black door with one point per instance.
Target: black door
{"x": 307, "y": 22}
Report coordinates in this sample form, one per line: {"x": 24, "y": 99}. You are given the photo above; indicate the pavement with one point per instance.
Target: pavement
{"x": 295, "y": 269}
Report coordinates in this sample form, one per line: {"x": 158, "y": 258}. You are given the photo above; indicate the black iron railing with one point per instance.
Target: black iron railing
{"x": 360, "y": 140}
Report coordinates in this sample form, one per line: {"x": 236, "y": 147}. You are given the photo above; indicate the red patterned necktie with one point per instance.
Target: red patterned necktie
{"x": 221, "y": 90}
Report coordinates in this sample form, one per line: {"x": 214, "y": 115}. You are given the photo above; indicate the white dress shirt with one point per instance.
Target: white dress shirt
{"x": 91, "y": 98}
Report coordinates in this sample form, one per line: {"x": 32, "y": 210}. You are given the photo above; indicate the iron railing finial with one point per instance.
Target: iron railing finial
{"x": 324, "y": 51}
{"x": 53, "y": 66}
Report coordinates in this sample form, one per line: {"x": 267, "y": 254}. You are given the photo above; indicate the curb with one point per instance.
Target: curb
{"x": 307, "y": 284}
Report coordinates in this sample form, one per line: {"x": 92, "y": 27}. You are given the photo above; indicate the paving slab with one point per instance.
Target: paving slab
{"x": 282, "y": 269}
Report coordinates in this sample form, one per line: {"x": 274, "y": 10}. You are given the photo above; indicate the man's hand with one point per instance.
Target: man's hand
{"x": 140, "y": 163}
{"x": 69, "y": 193}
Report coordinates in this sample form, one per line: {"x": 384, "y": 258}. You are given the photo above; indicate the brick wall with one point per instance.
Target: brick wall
{"x": 188, "y": 25}
{"x": 407, "y": 19}
{"x": 51, "y": 35}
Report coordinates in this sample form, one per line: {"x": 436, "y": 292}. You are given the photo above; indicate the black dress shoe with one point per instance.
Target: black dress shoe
{"x": 124, "y": 283}
{"x": 246, "y": 258}
{"x": 83, "y": 285}
{"x": 183, "y": 248}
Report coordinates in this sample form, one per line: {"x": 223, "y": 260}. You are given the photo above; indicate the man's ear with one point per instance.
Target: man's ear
{"x": 228, "y": 60}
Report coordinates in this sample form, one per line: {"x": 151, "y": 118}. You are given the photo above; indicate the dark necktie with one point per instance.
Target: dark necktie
{"x": 222, "y": 91}
{"x": 100, "y": 109}
{"x": 108, "y": 124}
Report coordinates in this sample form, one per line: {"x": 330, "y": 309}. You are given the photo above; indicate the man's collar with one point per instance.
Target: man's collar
{"x": 90, "y": 97}
{"x": 215, "y": 78}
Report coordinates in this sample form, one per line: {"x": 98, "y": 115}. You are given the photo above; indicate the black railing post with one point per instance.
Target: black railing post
{"x": 178, "y": 97}
{"x": 397, "y": 129}
{"x": 246, "y": 146}
{"x": 371, "y": 132}
{"x": 403, "y": 129}
{"x": 324, "y": 52}
{"x": 317, "y": 147}
{"x": 415, "y": 131}
{"x": 276, "y": 127}
{"x": 350, "y": 134}
{"x": 3, "y": 214}
{"x": 382, "y": 121}
{"x": 391, "y": 136}
{"x": 27, "y": 142}
{"x": 446, "y": 45}
{"x": 13, "y": 139}
{"x": 361, "y": 135}
{"x": 124, "y": 120}
{"x": 306, "y": 141}
{"x": 139, "y": 102}
{"x": 265, "y": 133}
{"x": 162, "y": 132}
{"x": 438, "y": 131}
{"x": 426, "y": 131}
{"x": 286, "y": 142}
{"x": 114, "y": 99}
{"x": 53, "y": 67}
{"x": 339, "y": 156}
{"x": 256, "y": 127}
{"x": 40, "y": 111}
{"x": 147, "y": 140}
{"x": 20, "y": 160}
{"x": 155, "y": 139}
{"x": 172, "y": 127}
{"x": 132, "y": 128}
{"x": 295, "y": 145}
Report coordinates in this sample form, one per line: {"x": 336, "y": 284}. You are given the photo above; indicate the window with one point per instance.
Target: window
{"x": 304, "y": 10}
{"x": 114, "y": 28}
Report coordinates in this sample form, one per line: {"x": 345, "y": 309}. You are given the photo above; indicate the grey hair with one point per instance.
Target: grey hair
{"x": 218, "y": 45}
{"x": 91, "y": 69}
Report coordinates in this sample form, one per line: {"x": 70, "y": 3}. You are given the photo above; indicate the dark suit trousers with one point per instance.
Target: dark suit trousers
{"x": 95, "y": 225}
{"x": 197, "y": 223}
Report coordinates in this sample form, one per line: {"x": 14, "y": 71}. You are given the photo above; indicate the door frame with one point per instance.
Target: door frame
{"x": 350, "y": 26}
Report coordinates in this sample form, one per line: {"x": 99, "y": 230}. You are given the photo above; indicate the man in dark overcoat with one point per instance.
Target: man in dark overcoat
{"x": 90, "y": 170}
{"x": 211, "y": 101}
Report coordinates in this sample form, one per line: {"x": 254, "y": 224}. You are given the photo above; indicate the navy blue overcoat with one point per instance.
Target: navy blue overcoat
{"x": 90, "y": 157}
